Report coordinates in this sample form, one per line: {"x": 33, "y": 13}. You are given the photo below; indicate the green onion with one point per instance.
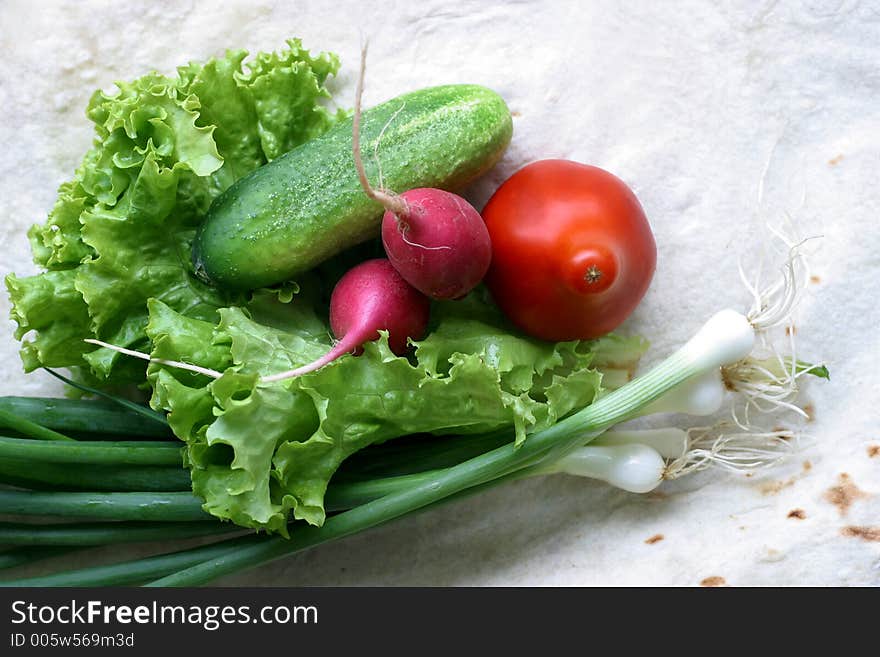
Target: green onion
{"x": 143, "y": 411}
{"x": 177, "y": 506}
{"x": 21, "y": 556}
{"x": 26, "y": 427}
{"x": 101, "y": 533}
{"x": 417, "y": 454}
{"x": 345, "y": 495}
{"x": 92, "y": 452}
{"x": 61, "y": 476}
{"x": 108, "y": 506}
{"x": 132, "y": 572}
{"x": 85, "y": 416}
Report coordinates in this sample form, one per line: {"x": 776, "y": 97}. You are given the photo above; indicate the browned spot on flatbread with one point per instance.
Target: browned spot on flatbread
{"x": 516, "y": 113}
{"x": 834, "y": 161}
{"x": 800, "y": 514}
{"x": 715, "y": 580}
{"x": 864, "y": 533}
{"x": 810, "y": 410}
{"x": 773, "y": 487}
{"x": 873, "y": 450}
{"x": 844, "y": 493}
{"x": 815, "y": 279}
{"x": 656, "y": 538}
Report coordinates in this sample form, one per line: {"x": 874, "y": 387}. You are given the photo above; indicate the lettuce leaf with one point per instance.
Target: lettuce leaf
{"x": 259, "y": 452}
{"x": 121, "y": 230}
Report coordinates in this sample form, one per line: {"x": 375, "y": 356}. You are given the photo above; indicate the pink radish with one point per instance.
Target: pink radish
{"x": 440, "y": 246}
{"x": 434, "y": 238}
{"x": 370, "y": 297}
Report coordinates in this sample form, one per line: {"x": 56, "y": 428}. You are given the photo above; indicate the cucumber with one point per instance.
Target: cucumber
{"x": 295, "y": 212}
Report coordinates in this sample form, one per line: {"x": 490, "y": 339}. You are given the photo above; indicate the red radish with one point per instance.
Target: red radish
{"x": 434, "y": 238}
{"x": 440, "y": 246}
{"x": 370, "y": 297}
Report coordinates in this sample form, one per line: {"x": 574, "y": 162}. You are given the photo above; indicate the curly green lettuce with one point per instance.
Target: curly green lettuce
{"x": 120, "y": 231}
{"x": 260, "y": 453}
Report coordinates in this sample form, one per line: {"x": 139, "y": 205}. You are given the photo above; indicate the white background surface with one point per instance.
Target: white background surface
{"x": 690, "y": 103}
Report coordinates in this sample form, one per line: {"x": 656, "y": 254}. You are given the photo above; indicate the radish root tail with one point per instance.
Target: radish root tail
{"x": 214, "y": 374}
{"x": 379, "y": 143}
{"x": 403, "y": 227}
{"x": 389, "y": 200}
{"x": 342, "y": 347}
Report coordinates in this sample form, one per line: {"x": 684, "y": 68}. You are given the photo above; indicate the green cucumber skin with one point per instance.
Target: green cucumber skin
{"x": 307, "y": 205}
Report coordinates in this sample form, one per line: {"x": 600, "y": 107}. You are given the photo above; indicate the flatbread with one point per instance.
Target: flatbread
{"x": 721, "y": 117}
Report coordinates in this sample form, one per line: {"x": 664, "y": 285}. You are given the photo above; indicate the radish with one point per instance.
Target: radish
{"x": 434, "y": 238}
{"x": 369, "y": 298}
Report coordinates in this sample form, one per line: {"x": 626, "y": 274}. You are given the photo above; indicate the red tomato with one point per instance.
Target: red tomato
{"x": 572, "y": 251}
